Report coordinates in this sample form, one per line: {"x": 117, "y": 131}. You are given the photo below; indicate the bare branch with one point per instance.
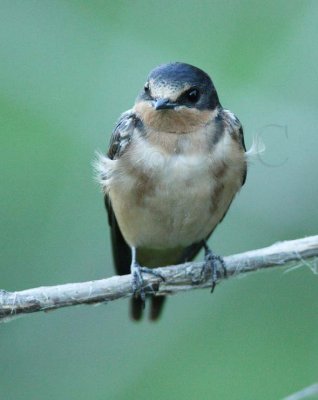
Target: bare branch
{"x": 304, "y": 393}
{"x": 178, "y": 278}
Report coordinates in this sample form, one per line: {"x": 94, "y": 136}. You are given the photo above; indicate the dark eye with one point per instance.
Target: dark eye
{"x": 146, "y": 87}
{"x": 193, "y": 95}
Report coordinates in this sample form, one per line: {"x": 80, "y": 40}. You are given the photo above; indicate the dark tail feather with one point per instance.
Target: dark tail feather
{"x": 157, "y": 303}
{"x": 136, "y": 308}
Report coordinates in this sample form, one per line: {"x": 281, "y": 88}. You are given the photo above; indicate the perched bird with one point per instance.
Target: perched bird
{"x": 174, "y": 164}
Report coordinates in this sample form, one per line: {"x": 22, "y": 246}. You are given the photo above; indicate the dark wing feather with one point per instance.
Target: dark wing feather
{"x": 119, "y": 142}
{"x": 121, "y": 250}
{"x": 241, "y": 138}
{"x": 122, "y": 134}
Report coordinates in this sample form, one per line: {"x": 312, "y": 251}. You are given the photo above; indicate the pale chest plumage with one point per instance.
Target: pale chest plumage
{"x": 171, "y": 190}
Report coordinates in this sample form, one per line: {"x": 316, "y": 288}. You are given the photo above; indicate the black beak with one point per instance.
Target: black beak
{"x": 164, "y": 104}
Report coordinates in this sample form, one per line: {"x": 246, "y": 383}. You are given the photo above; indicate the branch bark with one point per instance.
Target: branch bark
{"x": 177, "y": 278}
{"x": 304, "y": 393}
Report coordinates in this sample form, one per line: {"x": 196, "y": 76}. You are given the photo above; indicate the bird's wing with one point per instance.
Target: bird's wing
{"x": 241, "y": 140}
{"x": 235, "y": 129}
{"x": 122, "y": 134}
{"x": 119, "y": 143}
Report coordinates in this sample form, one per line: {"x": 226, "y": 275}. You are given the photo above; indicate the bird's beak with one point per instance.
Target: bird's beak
{"x": 164, "y": 104}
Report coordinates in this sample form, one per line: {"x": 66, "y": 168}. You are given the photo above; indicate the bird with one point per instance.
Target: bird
{"x": 175, "y": 162}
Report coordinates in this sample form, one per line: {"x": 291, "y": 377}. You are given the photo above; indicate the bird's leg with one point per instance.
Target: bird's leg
{"x": 137, "y": 280}
{"x": 212, "y": 263}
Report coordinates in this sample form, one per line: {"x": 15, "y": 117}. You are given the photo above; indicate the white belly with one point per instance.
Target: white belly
{"x": 180, "y": 204}
{"x": 164, "y": 200}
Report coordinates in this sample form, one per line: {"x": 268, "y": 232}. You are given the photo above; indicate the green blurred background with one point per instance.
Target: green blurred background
{"x": 68, "y": 69}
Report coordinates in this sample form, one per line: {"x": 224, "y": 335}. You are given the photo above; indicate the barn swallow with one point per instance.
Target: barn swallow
{"x": 175, "y": 162}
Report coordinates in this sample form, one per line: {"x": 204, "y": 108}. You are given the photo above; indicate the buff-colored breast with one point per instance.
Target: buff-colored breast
{"x": 171, "y": 190}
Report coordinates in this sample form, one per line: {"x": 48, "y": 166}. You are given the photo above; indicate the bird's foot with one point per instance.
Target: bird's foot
{"x": 137, "y": 279}
{"x": 212, "y": 264}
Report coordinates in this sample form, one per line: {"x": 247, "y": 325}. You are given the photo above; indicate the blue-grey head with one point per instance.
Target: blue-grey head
{"x": 178, "y": 85}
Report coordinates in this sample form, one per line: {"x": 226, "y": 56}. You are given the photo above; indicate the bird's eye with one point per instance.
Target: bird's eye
{"x": 193, "y": 95}
{"x": 146, "y": 87}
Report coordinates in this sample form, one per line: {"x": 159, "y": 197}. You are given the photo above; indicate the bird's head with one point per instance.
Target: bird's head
{"x": 177, "y": 97}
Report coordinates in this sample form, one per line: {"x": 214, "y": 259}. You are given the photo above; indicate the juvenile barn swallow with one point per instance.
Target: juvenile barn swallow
{"x": 175, "y": 162}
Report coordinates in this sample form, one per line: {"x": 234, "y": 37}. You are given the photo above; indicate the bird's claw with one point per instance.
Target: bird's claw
{"x": 137, "y": 279}
{"x": 212, "y": 264}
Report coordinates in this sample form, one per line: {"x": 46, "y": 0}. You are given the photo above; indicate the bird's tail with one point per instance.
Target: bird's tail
{"x": 157, "y": 303}
{"x": 137, "y": 307}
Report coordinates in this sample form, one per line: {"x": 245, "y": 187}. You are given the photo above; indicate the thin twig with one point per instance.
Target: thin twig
{"x": 178, "y": 278}
{"x": 304, "y": 393}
